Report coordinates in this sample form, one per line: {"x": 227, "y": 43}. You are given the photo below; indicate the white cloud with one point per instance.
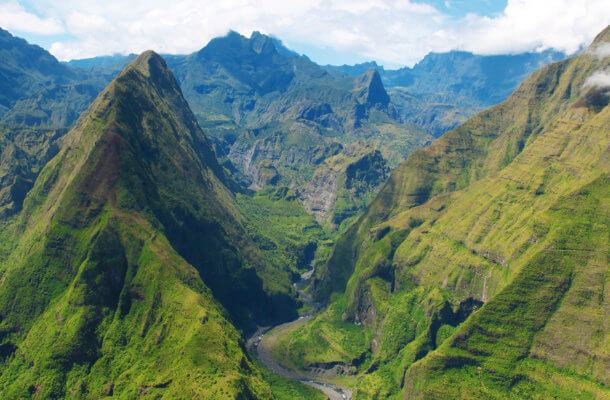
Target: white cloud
{"x": 14, "y": 17}
{"x": 392, "y": 32}
{"x": 599, "y": 79}
{"x": 601, "y": 51}
{"x": 529, "y": 24}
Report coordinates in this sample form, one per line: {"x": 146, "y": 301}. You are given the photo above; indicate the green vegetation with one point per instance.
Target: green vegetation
{"x": 288, "y": 389}
{"x": 127, "y": 268}
{"x": 284, "y": 232}
{"x": 130, "y": 267}
{"x": 325, "y": 340}
{"x": 479, "y": 268}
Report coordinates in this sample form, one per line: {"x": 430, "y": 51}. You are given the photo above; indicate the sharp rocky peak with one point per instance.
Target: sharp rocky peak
{"x": 370, "y": 90}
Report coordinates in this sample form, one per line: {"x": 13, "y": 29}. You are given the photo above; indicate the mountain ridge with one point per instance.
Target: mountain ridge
{"x": 129, "y": 264}
{"x": 466, "y": 276}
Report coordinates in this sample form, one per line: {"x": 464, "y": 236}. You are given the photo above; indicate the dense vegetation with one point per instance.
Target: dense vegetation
{"x": 137, "y": 253}
{"x": 129, "y": 264}
{"x": 478, "y": 270}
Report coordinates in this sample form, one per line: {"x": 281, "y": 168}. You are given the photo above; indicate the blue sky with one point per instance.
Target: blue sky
{"x": 459, "y": 8}
{"x": 392, "y": 32}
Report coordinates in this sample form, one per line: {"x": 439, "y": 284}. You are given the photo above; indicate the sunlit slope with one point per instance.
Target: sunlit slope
{"x": 102, "y": 292}
{"x": 490, "y": 246}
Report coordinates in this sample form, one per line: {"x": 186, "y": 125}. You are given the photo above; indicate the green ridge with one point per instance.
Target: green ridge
{"x": 479, "y": 270}
{"x": 129, "y": 264}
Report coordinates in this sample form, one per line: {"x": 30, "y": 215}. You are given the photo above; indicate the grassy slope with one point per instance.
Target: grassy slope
{"x": 486, "y": 214}
{"x": 97, "y": 297}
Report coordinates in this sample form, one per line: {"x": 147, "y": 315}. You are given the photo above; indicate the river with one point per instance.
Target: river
{"x": 259, "y": 345}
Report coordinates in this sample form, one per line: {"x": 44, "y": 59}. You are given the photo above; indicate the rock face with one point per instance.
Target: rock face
{"x": 320, "y": 194}
{"x": 343, "y": 184}
{"x": 369, "y": 90}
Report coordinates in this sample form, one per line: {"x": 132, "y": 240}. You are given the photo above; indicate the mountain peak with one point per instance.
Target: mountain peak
{"x": 369, "y": 89}
{"x": 152, "y": 67}
{"x": 602, "y": 37}
{"x": 261, "y": 43}
{"x": 150, "y": 64}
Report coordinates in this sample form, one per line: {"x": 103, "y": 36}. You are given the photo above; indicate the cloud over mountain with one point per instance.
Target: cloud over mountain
{"x": 599, "y": 79}
{"x": 389, "y": 31}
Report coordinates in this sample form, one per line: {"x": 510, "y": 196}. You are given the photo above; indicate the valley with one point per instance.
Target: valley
{"x": 244, "y": 223}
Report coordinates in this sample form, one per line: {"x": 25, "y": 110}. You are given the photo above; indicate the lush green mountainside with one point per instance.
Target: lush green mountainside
{"x": 480, "y": 269}
{"x": 129, "y": 262}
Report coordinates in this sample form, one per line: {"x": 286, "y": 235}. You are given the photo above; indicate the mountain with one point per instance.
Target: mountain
{"x": 442, "y": 90}
{"x": 353, "y": 70}
{"x": 25, "y": 69}
{"x": 129, "y": 264}
{"x": 113, "y": 63}
{"x": 479, "y": 269}
{"x": 276, "y": 116}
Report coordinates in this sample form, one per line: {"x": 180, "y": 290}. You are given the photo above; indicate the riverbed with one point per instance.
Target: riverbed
{"x": 260, "y": 345}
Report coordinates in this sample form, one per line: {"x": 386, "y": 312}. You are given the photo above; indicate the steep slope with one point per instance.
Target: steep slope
{"x": 105, "y": 277}
{"x": 343, "y": 185}
{"x": 480, "y": 269}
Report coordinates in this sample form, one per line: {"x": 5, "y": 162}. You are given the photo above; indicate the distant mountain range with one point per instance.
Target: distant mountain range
{"x": 273, "y": 116}
{"x": 438, "y": 93}
{"x": 444, "y": 89}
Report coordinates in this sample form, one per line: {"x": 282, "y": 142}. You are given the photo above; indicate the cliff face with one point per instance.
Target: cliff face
{"x": 343, "y": 184}
{"x": 369, "y": 90}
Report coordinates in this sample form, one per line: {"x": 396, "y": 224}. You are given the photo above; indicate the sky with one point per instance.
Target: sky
{"x": 393, "y": 33}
